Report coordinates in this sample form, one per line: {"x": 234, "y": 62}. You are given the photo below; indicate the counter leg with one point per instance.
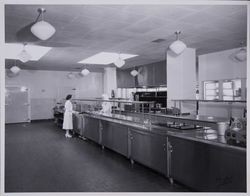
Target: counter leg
{"x": 171, "y": 180}
{"x": 132, "y": 161}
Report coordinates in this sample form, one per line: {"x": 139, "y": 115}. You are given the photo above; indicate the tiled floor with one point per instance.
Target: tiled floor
{"x": 38, "y": 158}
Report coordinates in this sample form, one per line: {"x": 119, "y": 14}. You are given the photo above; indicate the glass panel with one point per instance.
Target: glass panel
{"x": 211, "y": 97}
{"x": 228, "y": 92}
{"x": 227, "y": 97}
{"x": 228, "y": 85}
{"x": 210, "y": 86}
{"x": 211, "y": 92}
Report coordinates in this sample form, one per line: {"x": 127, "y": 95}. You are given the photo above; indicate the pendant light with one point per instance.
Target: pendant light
{"x": 70, "y": 75}
{"x": 85, "y": 72}
{"x": 15, "y": 69}
{"x": 24, "y": 56}
{"x": 134, "y": 72}
{"x": 42, "y": 29}
{"x": 178, "y": 46}
{"x": 241, "y": 55}
{"x": 119, "y": 62}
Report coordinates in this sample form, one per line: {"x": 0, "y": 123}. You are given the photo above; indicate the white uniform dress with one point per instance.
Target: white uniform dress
{"x": 67, "y": 118}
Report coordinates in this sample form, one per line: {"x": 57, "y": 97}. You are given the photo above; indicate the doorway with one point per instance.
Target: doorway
{"x": 17, "y": 104}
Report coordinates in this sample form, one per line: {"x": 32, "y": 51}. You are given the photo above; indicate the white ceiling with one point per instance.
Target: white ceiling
{"x": 84, "y": 30}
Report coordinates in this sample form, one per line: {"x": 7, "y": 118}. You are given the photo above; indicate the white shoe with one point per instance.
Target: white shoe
{"x": 84, "y": 138}
{"x": 68, "y": 135}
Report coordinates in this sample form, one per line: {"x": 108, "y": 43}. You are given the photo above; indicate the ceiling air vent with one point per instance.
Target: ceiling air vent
{"x": 158, "y": 40}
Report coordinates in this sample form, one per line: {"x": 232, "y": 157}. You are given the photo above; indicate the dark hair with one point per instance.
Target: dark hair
{"x": 68, "y": 97}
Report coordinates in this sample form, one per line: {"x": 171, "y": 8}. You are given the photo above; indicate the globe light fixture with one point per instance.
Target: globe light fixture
{"x": 134, "y": 72}
{"x": 42, "y": 29}
{"x": 119, "y": 62}
{"x": 85, "y": 72}
{"x": 241, "y": 55}
{"x": 70, "y": 75}
{"x": 24, "y": 56}
{"x": 15, "y": 70}
{"x": 178, "y": 46}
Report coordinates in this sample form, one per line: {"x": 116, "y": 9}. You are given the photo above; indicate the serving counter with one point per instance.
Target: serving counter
{"x": 198, "y": 158}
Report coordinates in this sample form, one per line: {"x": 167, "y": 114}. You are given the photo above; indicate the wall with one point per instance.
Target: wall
{"x": 217, "y": 66}
{"x": 181, "y": 78}
{"x": 48, "y": 87}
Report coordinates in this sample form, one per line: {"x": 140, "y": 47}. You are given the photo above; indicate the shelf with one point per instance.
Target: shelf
{"x": 219, "y": 101}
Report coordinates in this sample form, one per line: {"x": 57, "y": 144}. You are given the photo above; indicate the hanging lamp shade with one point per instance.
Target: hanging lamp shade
{"x": 85, "y": 72}
{"x": 70, "y": 75}
{"x": 178, "y": 46}
{"x": 134, "y": 73}
{"x": 241, "y": 55}
{"x": 15, "y": 70}
{"x": 24, "y": 56}
{"x": 42, "y": 29}
{"x": 119, "y": 62}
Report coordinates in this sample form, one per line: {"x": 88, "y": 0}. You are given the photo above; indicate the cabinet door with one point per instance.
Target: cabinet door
{"x": 205, "y": 167}
{"x": 149, "y": 149}
{"x": 160, "y": 73}
{"x": 91, "y": 129}
{"x": 107, "y": 136}
{"x": 120, "y": 138}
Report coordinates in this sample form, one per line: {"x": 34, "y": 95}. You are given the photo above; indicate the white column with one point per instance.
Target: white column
{"x": 109, "y": 80}
{"x": 181, "y": 77}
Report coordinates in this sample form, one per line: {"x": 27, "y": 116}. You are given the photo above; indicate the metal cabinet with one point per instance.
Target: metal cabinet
{"x": 115, "y": 137}
{"x": 107, "y": 136}
{"x": 77, "y": 123}
{"x": 160, "y": 73}
{"x": 120, "y": 138}
{"x": 149, "y": 149}
{"x": 206, "y": 167}
{"x": 91, "y": 129}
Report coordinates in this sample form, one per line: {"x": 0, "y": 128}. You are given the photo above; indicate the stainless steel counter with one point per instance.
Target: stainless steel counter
{"x": 203, "y": 135}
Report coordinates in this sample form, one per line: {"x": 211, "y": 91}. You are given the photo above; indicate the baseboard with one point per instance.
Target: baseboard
{"x": 42, "y": 120}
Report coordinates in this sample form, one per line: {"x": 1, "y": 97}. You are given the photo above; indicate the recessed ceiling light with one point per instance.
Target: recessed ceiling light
{"x": 36, "y": 52}
{"x": 105, "y": 58}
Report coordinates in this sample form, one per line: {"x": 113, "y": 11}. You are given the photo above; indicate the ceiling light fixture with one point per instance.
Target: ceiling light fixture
{"x": 15, "y": 70}
{"x": 42, "y": 29}
{"x": 105, "y": 58}
{"x": 119, "y": 62}
{"x": 12, "y": 50}
{"x": 24, "y": 56}
{"x": 178, "y": 46}
{"x": 70, "y": 75}
{"x": 241, "y": 55}
{"x": 134, "y": 72}
{"x": 85, "y": 72}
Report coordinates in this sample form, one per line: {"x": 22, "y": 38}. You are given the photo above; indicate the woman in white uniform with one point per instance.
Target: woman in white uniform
{"x": 67, "y": 118}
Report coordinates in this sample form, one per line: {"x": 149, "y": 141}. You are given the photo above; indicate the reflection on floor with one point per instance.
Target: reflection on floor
{"x": 38, "y": 158}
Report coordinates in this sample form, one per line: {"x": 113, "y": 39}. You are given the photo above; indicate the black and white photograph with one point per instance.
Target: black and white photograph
{"x": 106, "y": 97}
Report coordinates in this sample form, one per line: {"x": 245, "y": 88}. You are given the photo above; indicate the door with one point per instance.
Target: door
{"x": 206, "y": 167}
{"x": 149, "y": 149}
{"x": 17, "y": 104}
{"x": 91, "y": 129}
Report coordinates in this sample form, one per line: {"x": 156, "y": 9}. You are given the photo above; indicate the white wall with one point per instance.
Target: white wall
{"x": 45, "y": 85}
{"x": 217, "y": 66}
{"x": 181, "y": 78}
